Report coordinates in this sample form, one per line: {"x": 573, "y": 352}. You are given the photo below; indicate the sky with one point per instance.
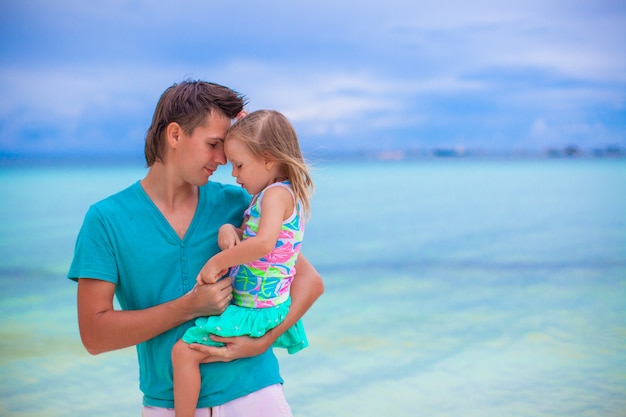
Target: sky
{"x": 83, "y": 77}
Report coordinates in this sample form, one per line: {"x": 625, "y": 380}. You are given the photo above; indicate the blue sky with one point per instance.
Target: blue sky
{"x": 83, "y": 77}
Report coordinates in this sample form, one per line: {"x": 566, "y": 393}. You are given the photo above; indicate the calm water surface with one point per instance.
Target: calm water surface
{"x": 453, "y": 288}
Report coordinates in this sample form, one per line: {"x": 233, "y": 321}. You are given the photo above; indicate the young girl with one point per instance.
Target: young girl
{"x": 266, "y": 159}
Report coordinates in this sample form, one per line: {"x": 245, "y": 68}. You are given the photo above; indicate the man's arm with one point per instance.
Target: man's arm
{"x": 102, "y": 328}
{"x": 306, "y": 287}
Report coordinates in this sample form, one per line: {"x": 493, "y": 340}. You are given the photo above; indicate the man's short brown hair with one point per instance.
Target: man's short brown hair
{"x": 188, "y": 103}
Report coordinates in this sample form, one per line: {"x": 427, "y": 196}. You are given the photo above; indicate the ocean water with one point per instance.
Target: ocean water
{"x": 454, "y": 287}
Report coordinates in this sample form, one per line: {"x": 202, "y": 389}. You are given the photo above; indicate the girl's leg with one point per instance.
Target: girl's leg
{"x": 186, "y": 363}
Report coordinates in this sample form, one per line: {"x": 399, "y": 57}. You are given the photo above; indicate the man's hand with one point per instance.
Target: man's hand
{"x": 236, "y": 348}
{"x": 209, "y": 299}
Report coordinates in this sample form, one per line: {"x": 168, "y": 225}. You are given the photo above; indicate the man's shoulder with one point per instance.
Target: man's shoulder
{"x": 217, "y": 191}
{"x": 220, "y": 186}
{"x": 119, "y": 199}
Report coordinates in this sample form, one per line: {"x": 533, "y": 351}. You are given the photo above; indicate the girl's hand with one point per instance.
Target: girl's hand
{"x": 228, "y": 236}
{"x": 209, "y": 274}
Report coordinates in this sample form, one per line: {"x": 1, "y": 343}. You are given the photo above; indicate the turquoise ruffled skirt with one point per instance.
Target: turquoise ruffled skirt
{"x": 253, "y": 322}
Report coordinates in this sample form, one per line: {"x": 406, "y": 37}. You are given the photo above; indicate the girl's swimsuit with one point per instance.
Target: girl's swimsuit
{"x": 260, "y": 288}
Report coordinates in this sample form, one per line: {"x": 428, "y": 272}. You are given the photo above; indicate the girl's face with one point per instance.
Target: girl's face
{"x": 252, "y": 173}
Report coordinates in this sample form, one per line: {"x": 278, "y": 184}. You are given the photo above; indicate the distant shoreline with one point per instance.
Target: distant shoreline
{"x": 70, "y": 160}
{"x": 460, "y": 153}
{"x": 326, "y": 155}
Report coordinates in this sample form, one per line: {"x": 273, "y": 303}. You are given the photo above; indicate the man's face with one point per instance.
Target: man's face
{"x": 198, "y": 155}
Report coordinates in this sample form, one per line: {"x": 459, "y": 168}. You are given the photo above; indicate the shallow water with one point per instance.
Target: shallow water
{"x": 453, "y": 287}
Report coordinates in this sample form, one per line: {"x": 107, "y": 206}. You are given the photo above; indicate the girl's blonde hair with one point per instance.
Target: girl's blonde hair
{"x": 269, "y": 133}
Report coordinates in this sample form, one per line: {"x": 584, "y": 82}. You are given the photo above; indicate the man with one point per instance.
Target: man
{"x": 146, "y": 244}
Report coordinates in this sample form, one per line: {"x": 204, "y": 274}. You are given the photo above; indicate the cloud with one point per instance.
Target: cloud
{"x": 85, "y": 76}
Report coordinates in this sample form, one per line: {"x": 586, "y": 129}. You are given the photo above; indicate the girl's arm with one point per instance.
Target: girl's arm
{"x": 276, "y": 206}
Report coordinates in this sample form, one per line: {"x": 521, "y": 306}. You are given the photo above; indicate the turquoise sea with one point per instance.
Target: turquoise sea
{"x": 454, "y": 287}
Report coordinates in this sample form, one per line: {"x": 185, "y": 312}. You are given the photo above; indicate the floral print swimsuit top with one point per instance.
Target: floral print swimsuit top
{"x": 265, "y": 282}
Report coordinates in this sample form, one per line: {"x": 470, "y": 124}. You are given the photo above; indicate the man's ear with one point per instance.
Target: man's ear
{"x": 173, "y": 133}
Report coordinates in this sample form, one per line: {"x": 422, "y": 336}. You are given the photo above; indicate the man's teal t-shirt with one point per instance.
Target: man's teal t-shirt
{"x": 126, "y": 240}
